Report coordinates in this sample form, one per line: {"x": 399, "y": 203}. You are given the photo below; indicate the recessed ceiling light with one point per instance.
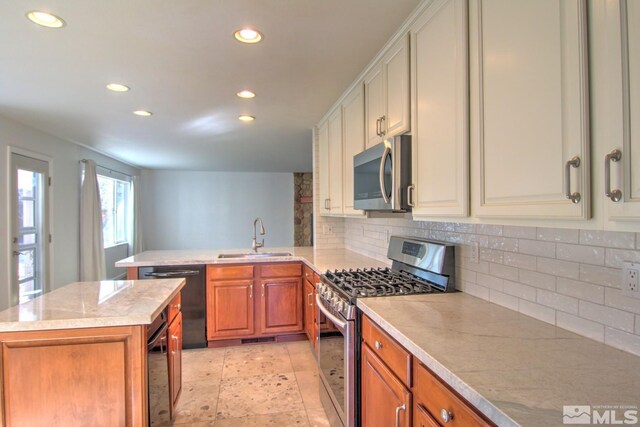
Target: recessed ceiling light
{"x": 117, "y": 87}
{"x": 45, "y": 19}
{"x": 246, "y": 118}
{"x": 246, "y": 94}
{"x": 248, "y": 35}
{"x": 143, "y": 113}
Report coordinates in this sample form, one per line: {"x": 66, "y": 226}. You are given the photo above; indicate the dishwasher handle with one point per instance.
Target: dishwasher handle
{"x": 158, "y": 337}
{"x": 176, "y": 273}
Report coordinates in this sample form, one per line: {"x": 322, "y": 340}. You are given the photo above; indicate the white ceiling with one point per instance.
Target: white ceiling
{"x": 181, "y": 62}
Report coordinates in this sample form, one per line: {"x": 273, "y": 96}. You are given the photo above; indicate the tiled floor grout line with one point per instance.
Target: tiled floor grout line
{"x": 295, "y": 373}
{"x": 224, "y": 357}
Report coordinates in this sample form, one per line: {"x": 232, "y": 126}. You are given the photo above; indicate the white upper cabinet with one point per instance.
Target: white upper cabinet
{"x": 374, "y": 95}
{"x": 529, "y": 109}
{"x": 335, "y": 162}
{"x": 440, "y": 123}
{"x": 621, "y": 147}
{"x": 330, "y": 164}
{"x": 353, "y": 143}
{"x": 323, "y": 167}
{"x": 387, "y": 105}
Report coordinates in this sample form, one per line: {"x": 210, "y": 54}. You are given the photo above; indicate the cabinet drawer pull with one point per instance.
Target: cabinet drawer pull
{"x": 410, "y": 189}
{"x": 378, "y": 345}
{"x": 573, "y": 163}
{"x": 250, "y": 291}
{"x": 402, "y": 407}
{"x": 446, "y": 415}
{"x": 178, "y": 307}
{"x": 614, "y": 156}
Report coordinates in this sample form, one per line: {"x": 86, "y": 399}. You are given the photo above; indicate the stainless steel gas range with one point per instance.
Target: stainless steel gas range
{"x": 419, "y": 267}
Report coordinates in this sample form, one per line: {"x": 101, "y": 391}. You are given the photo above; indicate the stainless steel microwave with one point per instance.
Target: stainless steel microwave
{"x": 382, "y": 176}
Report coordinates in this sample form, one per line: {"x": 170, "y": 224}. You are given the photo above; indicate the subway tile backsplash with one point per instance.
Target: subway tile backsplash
{"x": 570, "y": 278}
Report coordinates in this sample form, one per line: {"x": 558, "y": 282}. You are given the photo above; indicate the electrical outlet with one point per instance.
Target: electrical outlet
{"x": 327, "y": 229}
{"x": 475, "y": 253}
{"x": 630, "y": 272}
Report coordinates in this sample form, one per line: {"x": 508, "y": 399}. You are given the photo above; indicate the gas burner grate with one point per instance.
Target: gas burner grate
{"x": 378, "y": 282}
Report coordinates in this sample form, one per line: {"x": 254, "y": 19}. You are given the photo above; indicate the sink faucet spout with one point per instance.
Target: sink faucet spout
{"x": 254, "y": 243}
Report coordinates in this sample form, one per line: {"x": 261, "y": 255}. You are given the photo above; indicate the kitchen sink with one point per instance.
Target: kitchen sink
{"x": 253, "y": 255}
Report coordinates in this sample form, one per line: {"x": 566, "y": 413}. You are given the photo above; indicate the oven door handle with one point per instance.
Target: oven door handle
{"x": 340, "y": 324}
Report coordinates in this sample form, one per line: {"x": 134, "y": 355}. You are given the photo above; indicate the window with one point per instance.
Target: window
{"x": 114, "y": 198}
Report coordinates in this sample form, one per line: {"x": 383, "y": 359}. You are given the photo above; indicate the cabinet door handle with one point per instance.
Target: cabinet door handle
{"x": 250, "y": 291}
{"x": 614, "y": 156}
{"x": 263, "y": 289}
{"x": 378, "y": 126}
{"x": 402, "y": 407}
{"x": 173, "y": 337}
{"x": 378, "y": 345}
{"x": 382, "y": 131}
{"x": 327, "y": 204}
{"x": 573, "y": 163}
{"x": 309, "y": 303}
{"x": 445, "y": 415}
{"x": 178, "y": 307}
{"x": 410, "y": 189}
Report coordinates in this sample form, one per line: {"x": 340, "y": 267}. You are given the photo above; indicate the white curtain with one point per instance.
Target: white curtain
{"x": 92, "y": 264}
{"x": 136, "y": 230}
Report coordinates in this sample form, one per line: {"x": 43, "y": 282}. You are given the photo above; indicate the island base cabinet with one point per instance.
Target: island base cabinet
{"x": 77, "y": 377}
{"x": 175, "y": 361}
{"x": 385, "y": 400}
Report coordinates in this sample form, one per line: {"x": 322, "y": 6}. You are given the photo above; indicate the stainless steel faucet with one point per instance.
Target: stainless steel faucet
{"x": 254, "y": 243}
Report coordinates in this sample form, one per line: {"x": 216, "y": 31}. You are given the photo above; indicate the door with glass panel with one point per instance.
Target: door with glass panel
{"x": 29, "y": 227}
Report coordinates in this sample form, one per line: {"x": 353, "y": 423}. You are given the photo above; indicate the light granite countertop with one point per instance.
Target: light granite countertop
{"x": 320, "y": 260}
{"x": 93, "y": 304}
{"x": 513, "y": 368}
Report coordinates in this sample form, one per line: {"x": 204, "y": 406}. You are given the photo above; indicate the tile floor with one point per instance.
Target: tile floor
{"x": 253, "y": 385}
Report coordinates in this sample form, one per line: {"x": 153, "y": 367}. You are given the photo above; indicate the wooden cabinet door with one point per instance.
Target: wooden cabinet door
{"x": 440, "y": 129}
{"x": 175, "y": 361}
{"x": 323, "y": 165}
{"x": 529, "y": 108}
{"x": 384, "y": 397}
{"x": 353, "y": 143}
{"x": 395, "y": 69}
{"x": 623, "y": 109}
{"x": 374, "y": 105}
{"x": 281, "y": 305}
{"x": 335, "y": 162}
{"x": 422, "y": 418}
{"x": 230, "y": 309}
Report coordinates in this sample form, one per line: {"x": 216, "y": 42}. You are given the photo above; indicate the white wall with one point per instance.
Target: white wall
{"x": 215, "y": 210}
{"x": 65, "y": 198}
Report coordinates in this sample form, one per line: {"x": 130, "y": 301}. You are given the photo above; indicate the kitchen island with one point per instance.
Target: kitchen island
{"x": 514, "y": 369}
{"x": 77, "y": 355}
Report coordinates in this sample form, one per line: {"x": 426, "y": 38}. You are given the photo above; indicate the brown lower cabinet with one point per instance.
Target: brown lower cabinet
{"x": 385, "y": 400}
{"x": 73, "y": 377}
{"x": 398, "y": 390}
{"x": 254, "y": 300}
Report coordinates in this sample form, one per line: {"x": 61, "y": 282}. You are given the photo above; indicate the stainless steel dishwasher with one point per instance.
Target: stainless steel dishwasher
{"x": 194, "y": 313}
